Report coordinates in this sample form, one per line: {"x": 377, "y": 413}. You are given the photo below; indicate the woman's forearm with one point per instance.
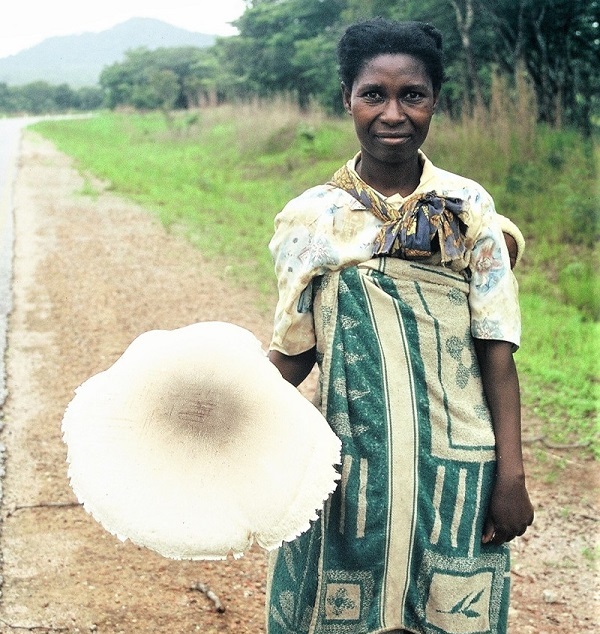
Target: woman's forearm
{"x": 501, "y": 387}
{"x": 510, "y": 511}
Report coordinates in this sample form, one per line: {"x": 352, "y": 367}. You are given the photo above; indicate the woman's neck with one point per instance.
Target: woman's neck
{"x": 390, "y": 179}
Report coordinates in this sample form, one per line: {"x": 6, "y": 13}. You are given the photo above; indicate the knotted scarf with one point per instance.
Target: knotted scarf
{"x": 424, "y": 224}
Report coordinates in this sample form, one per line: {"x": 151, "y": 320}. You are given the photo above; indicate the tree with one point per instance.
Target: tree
{"x": 6, "y": 104}
{"x": 315, "y": 59}
{"x": 90, "y": 98}
{"x": 271, "y": 53}
{"x": 465, "y": 17}
{"x": 36, "y": 98}
{"x": 199, "y": 86}
{"x": 558, "y": 43}
{"x": 163, "y": 78}
{"x": 166, "y": 87}
{"x": 65, "y": 98}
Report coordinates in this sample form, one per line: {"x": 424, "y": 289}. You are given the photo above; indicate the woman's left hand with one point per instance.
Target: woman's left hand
{"x": 510, "y": 511}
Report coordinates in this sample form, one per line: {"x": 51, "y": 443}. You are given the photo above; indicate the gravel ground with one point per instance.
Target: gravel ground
{"x": 91, "y": 273}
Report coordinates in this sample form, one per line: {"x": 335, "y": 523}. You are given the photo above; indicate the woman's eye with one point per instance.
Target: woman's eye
{"x": 414, "y": 96}
{"x": 372, "y": 95}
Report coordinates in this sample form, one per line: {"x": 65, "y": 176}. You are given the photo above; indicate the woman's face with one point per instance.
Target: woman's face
{"x": 391, "y": 101}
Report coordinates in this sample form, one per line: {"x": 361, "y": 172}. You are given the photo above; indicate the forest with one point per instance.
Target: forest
{"x": 288, "y": 46}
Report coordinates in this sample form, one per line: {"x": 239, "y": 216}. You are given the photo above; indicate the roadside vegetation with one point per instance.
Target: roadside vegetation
{"x": 220, "y": 175}
{"x": 40, "y": 97}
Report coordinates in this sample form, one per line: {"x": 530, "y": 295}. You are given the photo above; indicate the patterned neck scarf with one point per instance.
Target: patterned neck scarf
{"x": 423, "y": 225}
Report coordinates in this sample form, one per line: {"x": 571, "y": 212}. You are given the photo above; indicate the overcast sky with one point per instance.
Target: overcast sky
{"x": 25, "y": 23}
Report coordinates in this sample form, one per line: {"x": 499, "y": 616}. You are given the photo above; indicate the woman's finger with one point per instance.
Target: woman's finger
{"x": 488, "y": 533}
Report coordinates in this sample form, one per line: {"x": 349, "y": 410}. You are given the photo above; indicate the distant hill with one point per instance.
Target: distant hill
{"x": 77, "y": 60}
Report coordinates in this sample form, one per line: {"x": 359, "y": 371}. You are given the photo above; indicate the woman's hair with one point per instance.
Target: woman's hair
{"x": 365, "y": 40}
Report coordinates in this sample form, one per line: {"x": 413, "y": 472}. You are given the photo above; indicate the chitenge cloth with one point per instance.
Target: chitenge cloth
{"x": 398, "y": 545}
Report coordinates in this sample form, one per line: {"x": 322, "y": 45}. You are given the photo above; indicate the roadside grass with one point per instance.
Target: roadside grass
{"x": 221, "y": 175}
{"x": 558, "y": 366}
{"x": 216, "y": 176}
{"x": 88, "y": 189}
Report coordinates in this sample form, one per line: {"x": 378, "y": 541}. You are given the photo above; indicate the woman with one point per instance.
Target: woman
{"x": 395, "y": 278}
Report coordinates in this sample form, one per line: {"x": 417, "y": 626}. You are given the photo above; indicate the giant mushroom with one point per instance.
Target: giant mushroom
{"x": 193, "y": 445}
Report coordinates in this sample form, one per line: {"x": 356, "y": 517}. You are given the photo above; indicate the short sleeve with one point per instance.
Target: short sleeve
{"x": 293, "y": 327}
{"x": 494, "y": 291}
{"x": 322, "y": 230}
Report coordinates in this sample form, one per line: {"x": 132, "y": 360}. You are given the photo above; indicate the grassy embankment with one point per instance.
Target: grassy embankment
{"x": 221, "y": 175}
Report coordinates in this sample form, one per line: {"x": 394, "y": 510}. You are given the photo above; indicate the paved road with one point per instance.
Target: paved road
{"x": 10, "y": 136}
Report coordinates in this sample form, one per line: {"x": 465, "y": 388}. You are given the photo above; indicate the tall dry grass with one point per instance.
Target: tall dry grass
{"x": 512, "y": 115}
{"x": 488, "y": 139}
{"x": 257, "y": 122}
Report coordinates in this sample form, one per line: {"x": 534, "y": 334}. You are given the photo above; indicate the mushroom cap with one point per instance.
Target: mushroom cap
{"x": 193, "y": 445}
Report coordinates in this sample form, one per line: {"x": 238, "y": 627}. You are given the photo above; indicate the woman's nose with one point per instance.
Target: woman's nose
{"x": 393, "y": 112}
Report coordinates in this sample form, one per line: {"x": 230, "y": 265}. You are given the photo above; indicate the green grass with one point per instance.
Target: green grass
{"x": 558, "y": 365}
{"x": 221, "y": 175}
{"x": 220, "y": 184}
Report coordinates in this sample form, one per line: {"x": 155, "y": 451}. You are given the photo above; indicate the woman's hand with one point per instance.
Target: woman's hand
{"x": 294, "y": 369}
{"x": 513, "y": 249}
{"x": 510, "y": 511}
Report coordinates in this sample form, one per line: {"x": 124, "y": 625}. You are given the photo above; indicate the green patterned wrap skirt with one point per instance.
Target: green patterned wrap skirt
{"x": 398, "y": 545}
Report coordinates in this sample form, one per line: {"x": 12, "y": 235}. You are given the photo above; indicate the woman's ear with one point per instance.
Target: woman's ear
{"x": 346, "y": 98}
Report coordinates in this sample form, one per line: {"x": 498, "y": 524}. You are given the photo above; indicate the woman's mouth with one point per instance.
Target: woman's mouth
{"x": 392, "y": 139}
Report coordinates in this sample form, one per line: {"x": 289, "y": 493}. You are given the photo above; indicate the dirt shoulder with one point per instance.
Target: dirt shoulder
{"x": 91, "y": 273}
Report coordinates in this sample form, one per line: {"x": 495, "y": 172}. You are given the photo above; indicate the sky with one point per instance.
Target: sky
{"x": 25, "y": 23}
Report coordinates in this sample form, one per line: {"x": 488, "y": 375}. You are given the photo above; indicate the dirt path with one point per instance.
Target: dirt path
{"x": 90, "y": 275}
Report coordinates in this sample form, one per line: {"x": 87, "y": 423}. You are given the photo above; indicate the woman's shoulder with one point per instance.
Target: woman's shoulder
{"x": 448, "y": 183}
{"x": 315, "y": 201}
{"x": 451, "y": 184}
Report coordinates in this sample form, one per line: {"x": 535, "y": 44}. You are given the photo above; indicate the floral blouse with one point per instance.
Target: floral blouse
{"x": 326, "y": 229}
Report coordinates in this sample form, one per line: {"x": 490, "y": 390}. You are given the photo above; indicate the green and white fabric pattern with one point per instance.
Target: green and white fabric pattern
{"x": 398, "y": 545}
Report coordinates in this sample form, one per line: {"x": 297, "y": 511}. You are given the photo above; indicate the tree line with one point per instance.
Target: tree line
{"x": 40, "y": 97}
{"x": 288, "y": 46}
